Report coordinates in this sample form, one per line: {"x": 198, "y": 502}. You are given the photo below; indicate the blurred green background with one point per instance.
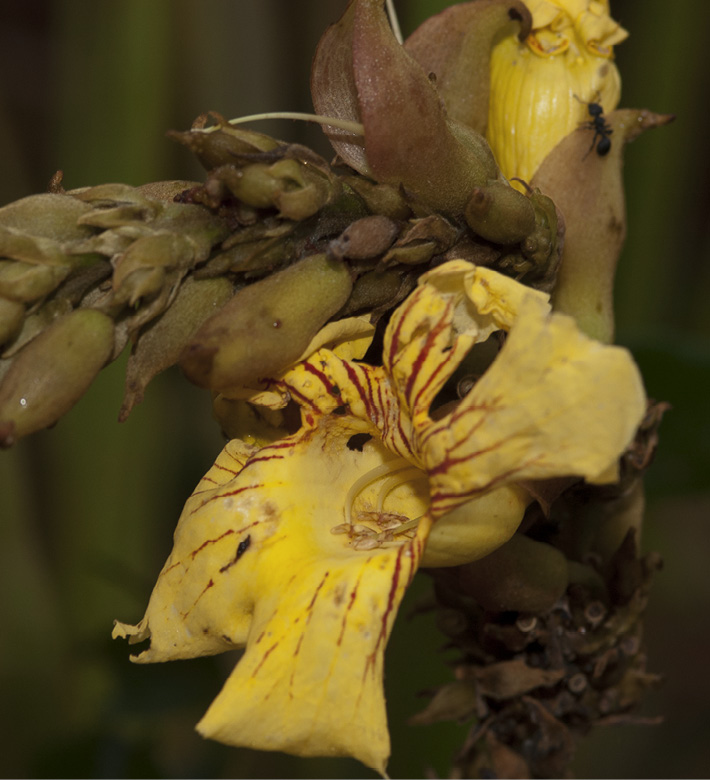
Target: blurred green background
{"x": 87, "y": 509}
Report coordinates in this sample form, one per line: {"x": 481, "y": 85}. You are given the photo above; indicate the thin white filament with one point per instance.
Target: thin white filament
{"x": 394, "y": 21}
{"x": 390, "y": 484}
{"x": 413, "y": 523}
{"x": 391, "y": 467}
{"x": 356, "y": 128}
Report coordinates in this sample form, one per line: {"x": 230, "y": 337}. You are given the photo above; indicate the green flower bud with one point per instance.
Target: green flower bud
{"x": 48, "y": 215}
{"x": 499, "y": 213}
{"x": 11, "y": 315}
{"x": 27, "y": 282}
{"x": 379, "y": 198}
{"x": 377, "y": 289}
{"x": 141, "y": 270}
{"x": 523, "y": 575}
{"x": 161, "y": 344}
{"x": 29, "y": 248}
{"x": 223, "y": 144}
{"x": 267, "y": 325}
{"x": 305, "y": 191}
{"x": 50, "y": 375}
{"x": 251, "y": 256}
{"x": 114, "y": 205}
{"x": 33, "y": 324}
{"x": 197, "y": 224}
{"x": 289, "y": 185}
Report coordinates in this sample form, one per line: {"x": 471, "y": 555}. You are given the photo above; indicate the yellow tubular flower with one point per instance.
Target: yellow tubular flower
{"x": 540, "y": 88}
{"x": 301, "y": 551}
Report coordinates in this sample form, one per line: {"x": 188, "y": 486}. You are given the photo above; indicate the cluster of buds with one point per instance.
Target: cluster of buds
{"x": 300, "y": 241}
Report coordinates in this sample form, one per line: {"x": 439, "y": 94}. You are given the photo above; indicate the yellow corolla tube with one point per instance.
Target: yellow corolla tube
{"x": 541, "y": 88}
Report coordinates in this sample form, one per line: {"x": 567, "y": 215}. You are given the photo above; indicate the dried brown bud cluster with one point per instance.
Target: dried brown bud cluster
{"x": 550, "y": 646}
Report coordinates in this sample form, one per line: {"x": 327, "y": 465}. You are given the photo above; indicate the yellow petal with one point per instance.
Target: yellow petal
{"x": 553, "y": 403}
{"x": 348, "y": 338}
{"x": 455, "y": 306}
{"x": 476, "y": 528}
{"x": 256, "y": 562}
{"x": 186, "y": 615}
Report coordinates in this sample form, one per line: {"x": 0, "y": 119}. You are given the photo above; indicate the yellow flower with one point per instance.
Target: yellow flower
{"x": 540, "y": 88}
{"x": 302, "y": 550}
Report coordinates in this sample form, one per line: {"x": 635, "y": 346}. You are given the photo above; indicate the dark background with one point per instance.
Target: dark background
{"x": 87, "y": 509}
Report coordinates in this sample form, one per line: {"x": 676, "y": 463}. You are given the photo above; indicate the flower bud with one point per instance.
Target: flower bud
{"x": 374, "y": 289}
{"x": 422, "y": 239}
{"x": 540, "y": 87}
{"x": 267, "y": 325}
{"x": 288, "y": 185}
{"x": 523, "y": 576}
{"x": 27, "y": 282}
{"x": 365, "y": 238}
{"x": 50, "y": 375}
{"x": 116, "y": 205}
{"x": 379, "y": 198}
{"x": 161, "y": 344}
{"x": 11, "y": 315}
{"x": 33, "y": 324}
{"x": 499, "y": 213}
{"x": 48, "y": 215}
{"x": 223, "y": 144}
{"x": 141, "y": 270}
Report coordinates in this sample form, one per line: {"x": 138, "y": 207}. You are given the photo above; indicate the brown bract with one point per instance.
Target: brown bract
{"x": 411, "y": 138}
{"x": 456, "y": 46}
{"x": 589, "y": 190}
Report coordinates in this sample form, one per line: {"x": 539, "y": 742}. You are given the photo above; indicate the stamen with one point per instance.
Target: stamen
{"x": 389, "y": 527}
{"x": 356, "y": 128}
{"x": 363, "y": 530}
{"x": 390, "y": 484}
{"x": 409, "y": 525}
{"x": 391, "y": 467}
{"x": 389, "y": 522}
{"x": 367, "y": 543}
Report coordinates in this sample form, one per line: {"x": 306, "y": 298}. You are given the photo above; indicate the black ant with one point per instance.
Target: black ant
{"x": 602, "y": 129}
